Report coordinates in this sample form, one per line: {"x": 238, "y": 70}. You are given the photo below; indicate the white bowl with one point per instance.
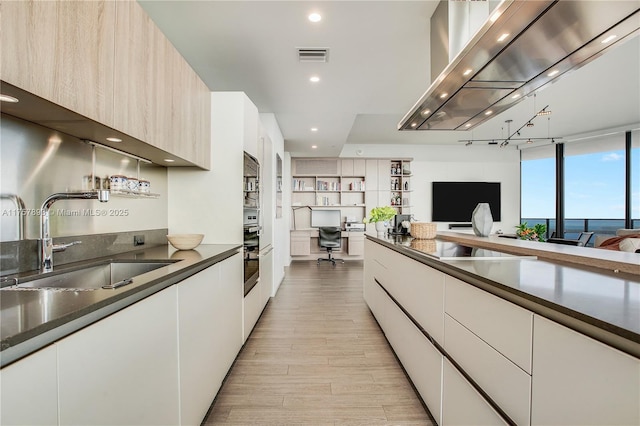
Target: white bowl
{"x": 185, "y": 241}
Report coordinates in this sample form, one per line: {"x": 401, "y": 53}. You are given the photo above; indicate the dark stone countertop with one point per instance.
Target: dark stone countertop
{"x": 603, "y": 305}
{"x": 31, "y": 320}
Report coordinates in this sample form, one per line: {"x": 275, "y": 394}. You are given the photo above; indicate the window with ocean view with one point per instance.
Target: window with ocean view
{"x": 594, "y": 185}
{"x": 538, "y": 183}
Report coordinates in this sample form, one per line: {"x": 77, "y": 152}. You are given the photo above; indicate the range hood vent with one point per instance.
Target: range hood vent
{"x": 313, "y": 54}
{"x": 523, "y": 46}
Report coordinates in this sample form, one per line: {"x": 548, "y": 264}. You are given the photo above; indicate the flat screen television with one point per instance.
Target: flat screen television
{"x": 455, "y": 201}
{"x": 323, "y": 218}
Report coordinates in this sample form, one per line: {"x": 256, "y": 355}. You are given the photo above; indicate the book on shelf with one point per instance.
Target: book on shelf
{"x": 356, "y": 186}
{"x": 323, "y": 185}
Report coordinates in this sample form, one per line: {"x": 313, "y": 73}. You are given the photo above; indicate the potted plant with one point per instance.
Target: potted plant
{"x": 381, "y": 217}
{"x": 531, "y": 234}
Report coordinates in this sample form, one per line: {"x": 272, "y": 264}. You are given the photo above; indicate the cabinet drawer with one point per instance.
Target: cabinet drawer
{"x": 420, "y": 359}
{"x": 578, "y": 380}
{"x": 300, "y": 244}
{"x": 506, "y": 383}
{"x": 503, "y": 325}
{"x": 375, "y": 253}
{"x": 462, "y": 404}
{"x": 418, "y": 288}
{"x": 355, "y": 245}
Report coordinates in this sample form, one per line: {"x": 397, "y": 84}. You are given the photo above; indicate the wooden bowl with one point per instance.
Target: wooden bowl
{"x": 185, "y": 241}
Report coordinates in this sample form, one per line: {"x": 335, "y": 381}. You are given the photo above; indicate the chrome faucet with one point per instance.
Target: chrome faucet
{"x": 20, "y": 212}
{"x": 47, "y": 248}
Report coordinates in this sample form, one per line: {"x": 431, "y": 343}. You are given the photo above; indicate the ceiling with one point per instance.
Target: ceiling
{"x": 377, "y": 69}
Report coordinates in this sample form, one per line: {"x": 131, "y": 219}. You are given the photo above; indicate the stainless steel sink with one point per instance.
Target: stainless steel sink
{"x": 106, "y": 275}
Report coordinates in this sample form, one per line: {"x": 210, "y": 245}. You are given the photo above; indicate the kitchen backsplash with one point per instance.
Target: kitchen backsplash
{"x": 37, "y": 162}
{"x": 22, "y": 256}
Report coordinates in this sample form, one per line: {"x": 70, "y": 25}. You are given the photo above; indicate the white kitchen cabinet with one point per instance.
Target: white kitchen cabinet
{"x": 384, "y": 171}
{"x": 229, "y": 308}
{"x": 353, "y": 167}
{"x": 503, "y": 325}
{"x": 300, "y": 243}
{"x": 123, "y": 370}
{"x": 580, "y": 381}
{"x": 355, "y": 245}
{"x": 506, "y": 383}
{"x": 462, "y": 404}
{"x": 369, "y": 283}
{"x": 371, "y": 175}
{"x": 29, "y": 390}
{"x": 422, "y": 295}
{"x": 210, "y": 335}
{"x": 266, "y": 277}
{"x": 421, "y": 360}
{"x": 250, "y": 311}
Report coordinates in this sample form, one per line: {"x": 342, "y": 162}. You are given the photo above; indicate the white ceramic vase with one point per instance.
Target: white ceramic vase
{"x": 481, "y": 220}
{"x": 381, "y": 228}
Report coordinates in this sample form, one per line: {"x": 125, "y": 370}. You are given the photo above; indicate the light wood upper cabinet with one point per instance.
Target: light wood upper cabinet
{"x": 109, "y": 62}
{"x": 61, "y": 51}
{"x": 140, "y": 74}
{"x": 158, "y": 96}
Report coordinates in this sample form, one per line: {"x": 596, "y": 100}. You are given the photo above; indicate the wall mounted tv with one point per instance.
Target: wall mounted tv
{"x": 455, "y": 201}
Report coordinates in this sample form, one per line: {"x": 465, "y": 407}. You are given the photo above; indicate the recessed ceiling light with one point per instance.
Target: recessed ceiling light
{"x": 467, "y": 71}
{"x": 315, "y": 17}
{"x": 503, "y": 37}
{"x": 7, "y": 98}
{"x": 552, "y": 73}
{"x": 314, "y": 146}
{"x": 444, "y": 95}
{"x": 169, "y": 160}
{"x": 314, "y": 79}
{"x": 608, "y": 39}
{"x": 114, "y": 139}
{"x": 488, "y": 112}
{"x": 314, "y": 129}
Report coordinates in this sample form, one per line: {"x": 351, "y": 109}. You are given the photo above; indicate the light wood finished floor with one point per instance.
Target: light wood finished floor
{"x": 318, "y": 357}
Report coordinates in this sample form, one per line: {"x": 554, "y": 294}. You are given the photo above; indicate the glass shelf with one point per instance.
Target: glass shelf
{"x": 132, "y": 194}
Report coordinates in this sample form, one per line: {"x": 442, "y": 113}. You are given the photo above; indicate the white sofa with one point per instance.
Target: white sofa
{"x": 619, "y": 233}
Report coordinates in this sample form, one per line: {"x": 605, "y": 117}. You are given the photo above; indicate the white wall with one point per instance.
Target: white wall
{"x": 454, "y": 163}
{"x": 210, "y": 202}
{"x": 37, "y": 162}
{"x": 279, "y": 228}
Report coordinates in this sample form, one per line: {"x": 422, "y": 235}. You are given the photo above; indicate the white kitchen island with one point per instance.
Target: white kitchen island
{"x": 510, "y": 339}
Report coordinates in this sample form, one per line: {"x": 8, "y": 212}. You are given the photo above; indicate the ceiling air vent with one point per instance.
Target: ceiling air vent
{"x": 319, "y": 54}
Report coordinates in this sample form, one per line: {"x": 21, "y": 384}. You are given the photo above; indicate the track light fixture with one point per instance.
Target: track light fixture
{"x": 512, "y": 136}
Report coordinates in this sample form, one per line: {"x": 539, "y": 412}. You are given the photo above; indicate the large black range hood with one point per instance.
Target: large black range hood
{"x": 544, "y": 41}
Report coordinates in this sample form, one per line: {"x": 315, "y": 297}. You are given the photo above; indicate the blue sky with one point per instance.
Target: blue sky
{"x": 594, "y": 186}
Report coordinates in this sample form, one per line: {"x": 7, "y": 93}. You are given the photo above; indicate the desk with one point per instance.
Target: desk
{"x": 304, "y": 245}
